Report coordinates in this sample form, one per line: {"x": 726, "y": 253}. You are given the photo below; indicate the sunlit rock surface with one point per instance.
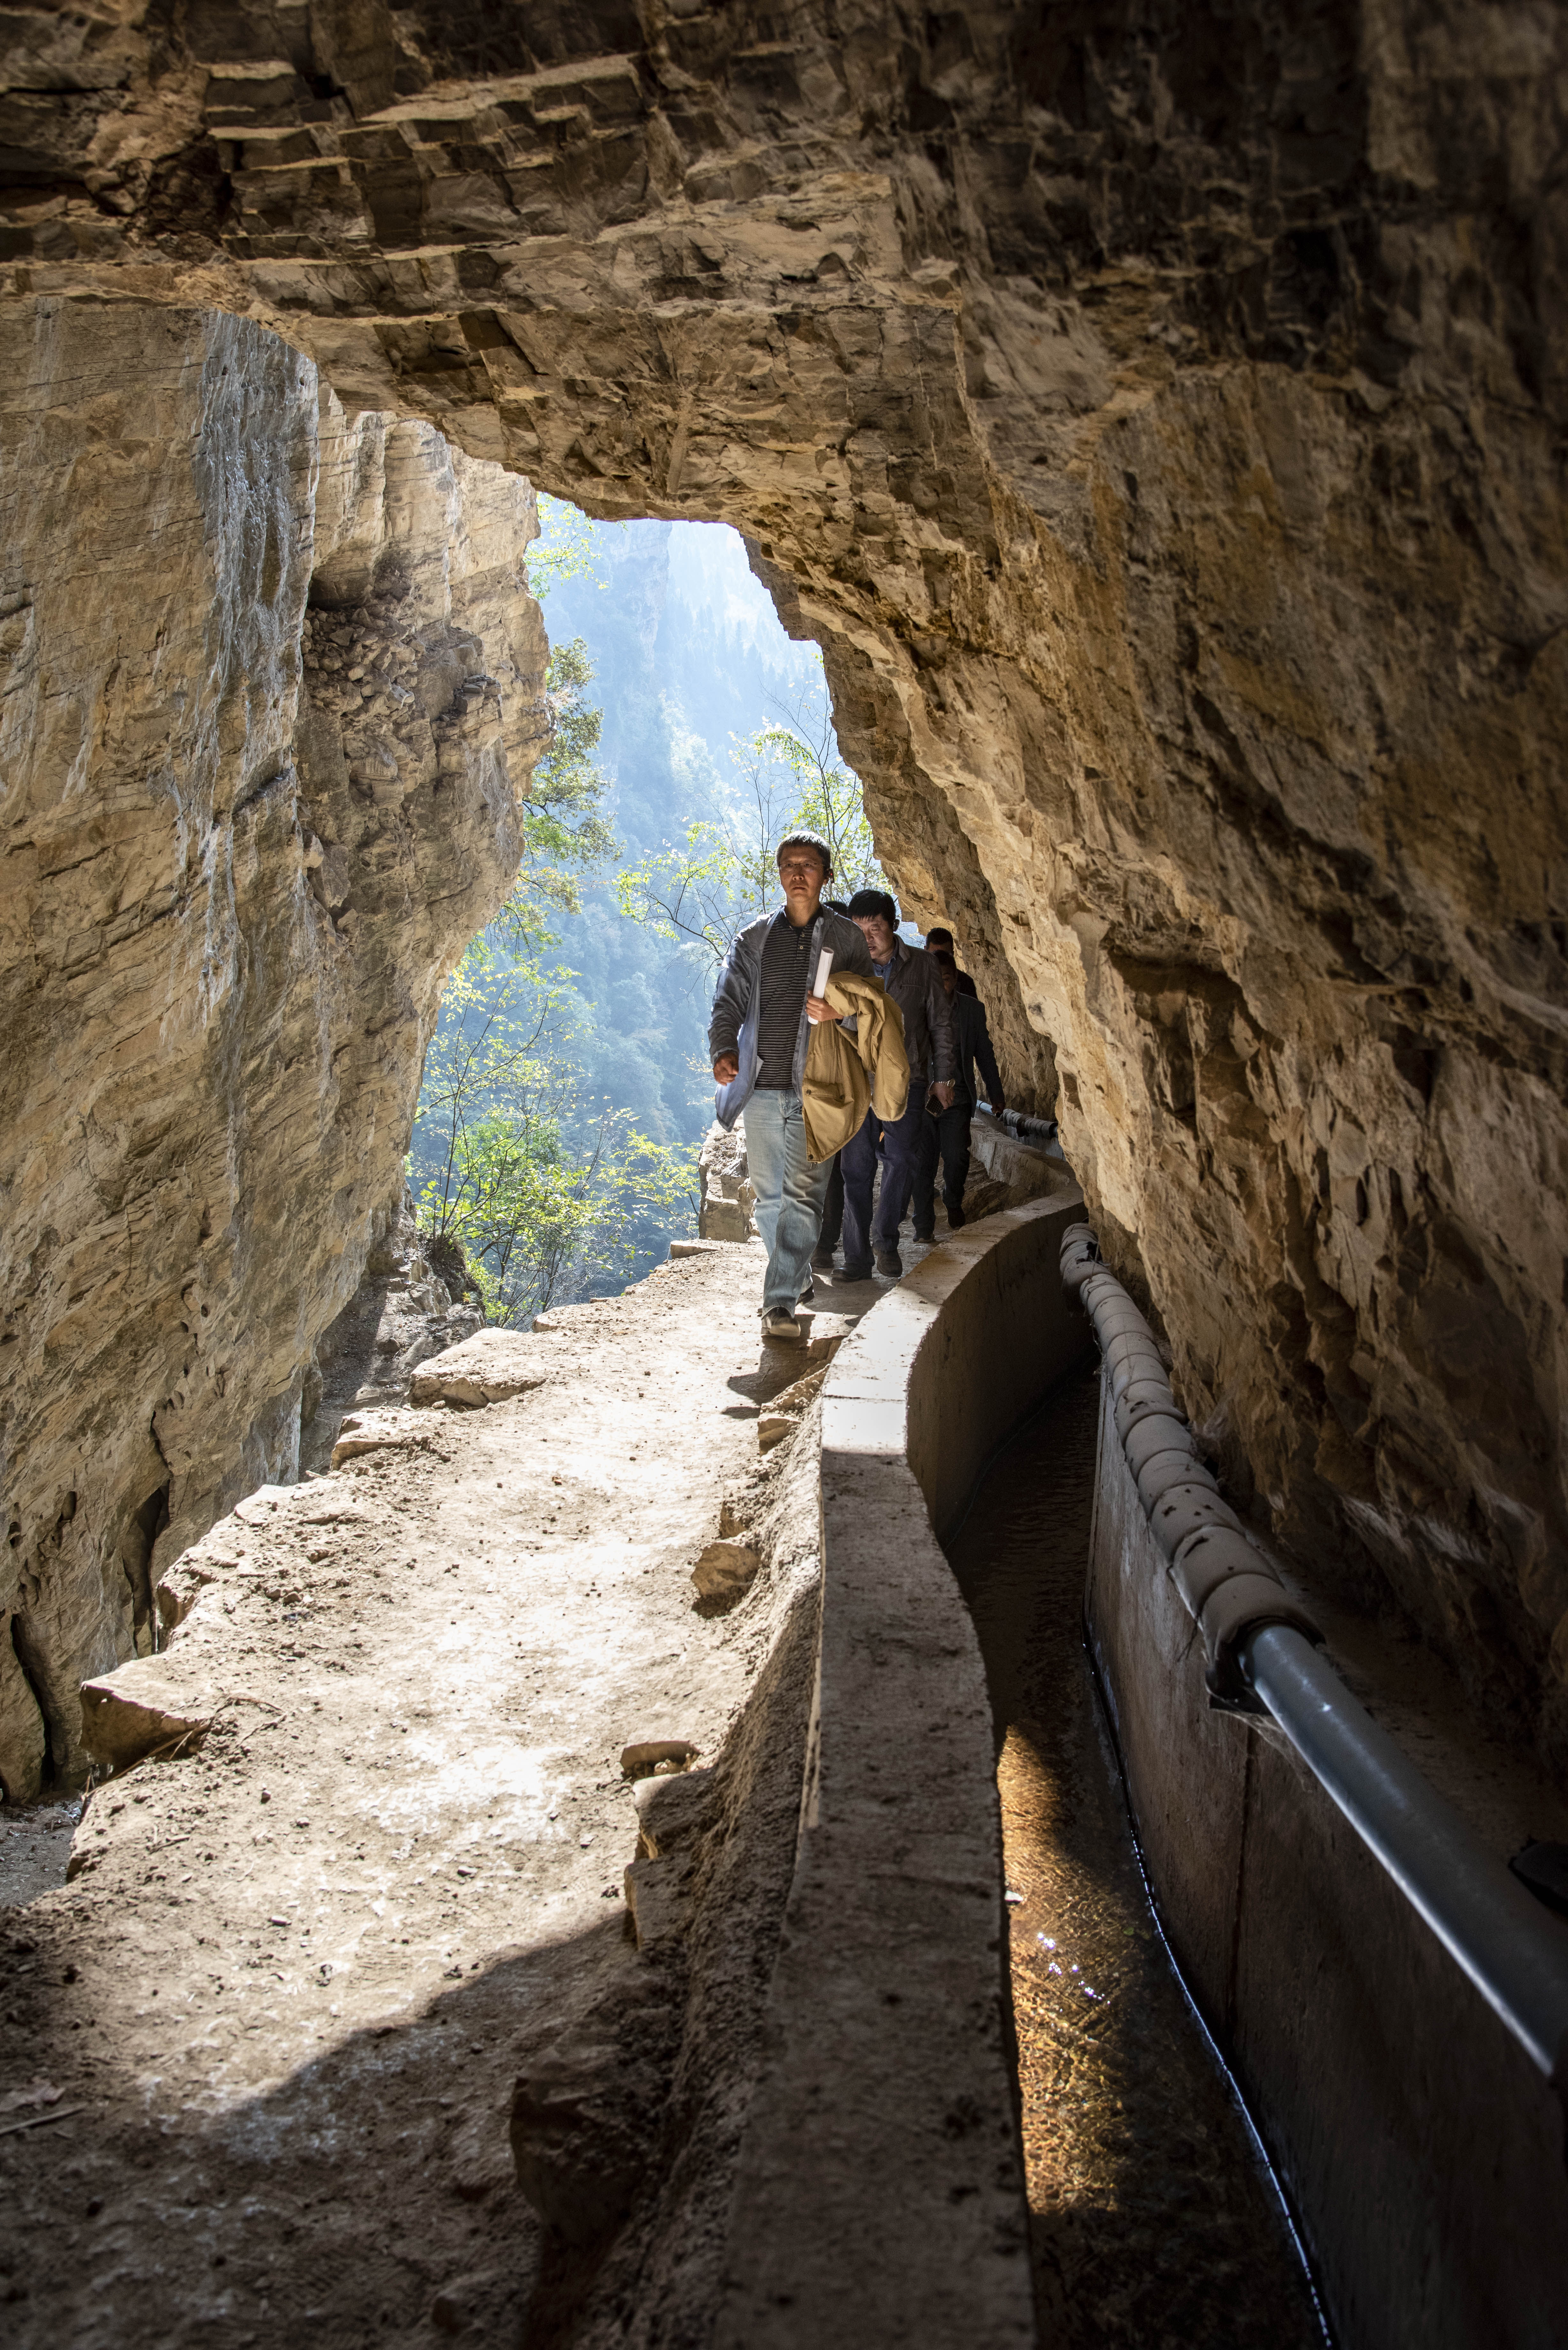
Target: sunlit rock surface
{"x": 1155, "y": 412}
{"x": 243, "y": 843}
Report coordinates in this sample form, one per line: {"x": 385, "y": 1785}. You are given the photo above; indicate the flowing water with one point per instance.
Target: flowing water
{"x": 1154, "y": 2220}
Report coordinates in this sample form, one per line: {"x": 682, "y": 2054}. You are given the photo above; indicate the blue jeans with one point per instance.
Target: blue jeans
{"x": 900, "y": 1153}
{"x": 790, "y": 1190}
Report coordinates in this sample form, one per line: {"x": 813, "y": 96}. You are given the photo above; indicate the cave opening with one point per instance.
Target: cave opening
{"x": 421, "y": 686}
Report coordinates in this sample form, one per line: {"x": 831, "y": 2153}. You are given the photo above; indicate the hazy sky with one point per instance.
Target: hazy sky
{"x": 708, "y": 574}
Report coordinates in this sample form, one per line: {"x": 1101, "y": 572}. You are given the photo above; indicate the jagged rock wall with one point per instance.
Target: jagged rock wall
{"x": 244, "y": 841}
{"x": 1157, "y": 412}
{"x": 404, "y": 1311}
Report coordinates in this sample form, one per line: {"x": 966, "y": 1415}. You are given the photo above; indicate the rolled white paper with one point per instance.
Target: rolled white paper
{"x": 823, "y": 971}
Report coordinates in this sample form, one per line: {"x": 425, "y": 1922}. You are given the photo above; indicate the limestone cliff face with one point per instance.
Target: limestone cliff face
{"x": 1157, "y": 413}
{"x": 245, "y": 835}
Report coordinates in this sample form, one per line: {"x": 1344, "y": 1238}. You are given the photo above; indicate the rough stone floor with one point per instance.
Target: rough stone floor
{"x": 274, "y": 2018}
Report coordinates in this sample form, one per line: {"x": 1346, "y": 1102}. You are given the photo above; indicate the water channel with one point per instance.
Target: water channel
{"x": 1154, "y": 2219}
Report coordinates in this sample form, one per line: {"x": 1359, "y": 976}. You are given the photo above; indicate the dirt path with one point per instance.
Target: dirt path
{"x": 282, "y": 2002}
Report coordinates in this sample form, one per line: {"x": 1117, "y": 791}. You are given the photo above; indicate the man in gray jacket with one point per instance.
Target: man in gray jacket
{"x": 763, "y": 1009}
{"x": 912, "y": 981}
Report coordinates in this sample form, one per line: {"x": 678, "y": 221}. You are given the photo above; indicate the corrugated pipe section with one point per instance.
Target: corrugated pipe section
{"x": 1227, "y": 1585}
{"x": 1263, "y": 1655}
{"x": 1039, "y": 1130}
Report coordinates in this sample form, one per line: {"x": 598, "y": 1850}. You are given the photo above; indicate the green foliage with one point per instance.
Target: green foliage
{"x": 569, "y": 546}
{"x": 565, "y": 832}
{"x": 519, "y": 1152}
{"x": 829, "y": 799}
{"x": 552, "y": 1194}
{"x": 703, "y": 890}
{"x": 721, "y": 876}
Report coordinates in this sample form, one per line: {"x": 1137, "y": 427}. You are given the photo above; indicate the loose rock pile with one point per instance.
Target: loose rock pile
{"x": 727, "y": 1196}
{"x": 402, "y": 1315}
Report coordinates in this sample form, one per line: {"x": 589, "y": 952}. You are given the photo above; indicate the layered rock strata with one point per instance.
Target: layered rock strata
{"x": 273, "y": 684}
{"x": 1156, "y": 412}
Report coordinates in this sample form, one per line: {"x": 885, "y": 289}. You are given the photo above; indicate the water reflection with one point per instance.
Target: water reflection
{"x": 1153, "y": 2219}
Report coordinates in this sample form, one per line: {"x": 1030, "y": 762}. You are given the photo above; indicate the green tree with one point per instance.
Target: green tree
{"x": 570, "y": 546}
{"x": 565, "y": 832}
{"x": 702, "y": 889}
{"x": 551, "y": 1193}
{"x": 827, "y": 797}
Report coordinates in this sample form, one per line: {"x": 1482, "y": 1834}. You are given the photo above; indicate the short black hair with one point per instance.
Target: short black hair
{"x": 945, "y": 935}
{"x": 807, "y": 841}
{"x": 866, "y": 902}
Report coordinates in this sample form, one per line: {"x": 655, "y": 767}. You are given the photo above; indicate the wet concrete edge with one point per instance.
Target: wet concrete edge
{"x": 881, "y": 2194}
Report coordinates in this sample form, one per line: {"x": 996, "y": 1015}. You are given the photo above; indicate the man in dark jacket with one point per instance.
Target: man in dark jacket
{"x": 763, "y": 1012}
{"x": 939, "y": 941}
{"x": 833, "y": 1205}
{"x": 910, "y": 977}
{"x": 946, "y": 1134}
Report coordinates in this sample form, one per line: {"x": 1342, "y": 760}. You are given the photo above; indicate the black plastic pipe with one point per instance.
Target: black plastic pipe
{"x": 1040, "y": 1130}
{"x": 1263, "y": 1648}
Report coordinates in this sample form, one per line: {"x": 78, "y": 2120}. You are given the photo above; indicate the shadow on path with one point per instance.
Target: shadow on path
{"x": 369, "y": 2195}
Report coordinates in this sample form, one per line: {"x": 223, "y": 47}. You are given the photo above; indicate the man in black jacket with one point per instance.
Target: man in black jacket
{"x": 763, "y": 1012}
{"x": 833, "y": 1205}
{"x": 939, "y": 941}
{"x": 910, "y": 977}
{"x": 945, "y": 1134}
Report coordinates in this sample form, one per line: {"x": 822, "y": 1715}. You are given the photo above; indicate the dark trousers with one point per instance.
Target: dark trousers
{"x": 947, "y": 1138}
{"x": 832, "y": 1210}
{"x": 900, "y": 1142}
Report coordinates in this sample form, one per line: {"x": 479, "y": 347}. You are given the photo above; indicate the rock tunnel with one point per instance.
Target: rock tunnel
{"x": 1156, "y": 415}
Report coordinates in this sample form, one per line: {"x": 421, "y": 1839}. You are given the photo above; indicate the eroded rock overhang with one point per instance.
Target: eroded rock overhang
{"x": 1155, "y": 419}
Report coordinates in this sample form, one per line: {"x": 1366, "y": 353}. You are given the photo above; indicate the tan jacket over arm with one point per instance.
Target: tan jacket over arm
{"x": 847, "y": 1075}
